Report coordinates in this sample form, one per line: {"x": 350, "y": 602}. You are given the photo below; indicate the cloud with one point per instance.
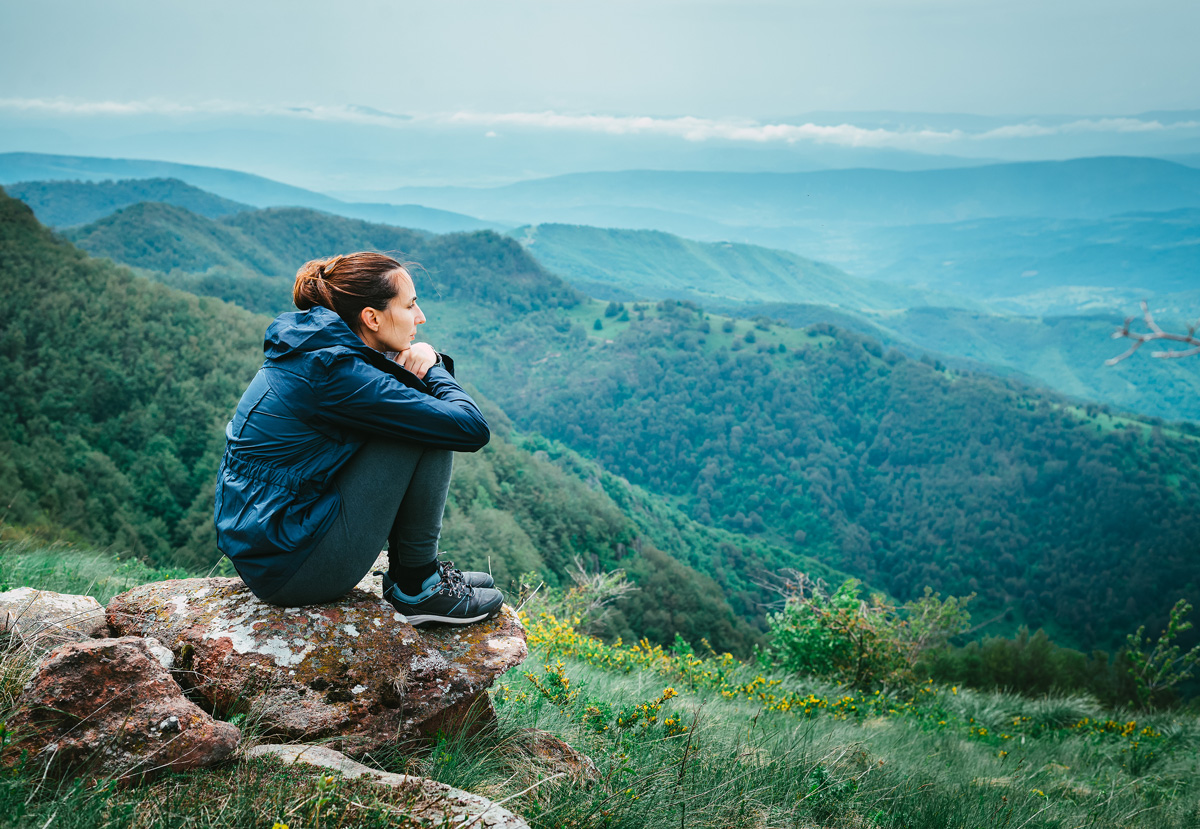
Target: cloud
{"x": 686, "y": 128}
{"x": 690, "y": 128}
{"x": 157, "y": 106}
{"x": 1082, "y": 125}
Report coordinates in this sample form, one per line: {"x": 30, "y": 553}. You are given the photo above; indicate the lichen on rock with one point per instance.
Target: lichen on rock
{"x": 107, "y": 708}
{"x": 353, "y": 671}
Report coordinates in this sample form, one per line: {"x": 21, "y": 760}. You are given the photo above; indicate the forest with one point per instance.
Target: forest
{"x": 111, "y": 428}
{"x": 810, "y": 444}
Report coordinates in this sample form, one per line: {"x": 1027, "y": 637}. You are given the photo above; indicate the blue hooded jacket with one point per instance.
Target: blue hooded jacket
{"x": 320, "y": 395}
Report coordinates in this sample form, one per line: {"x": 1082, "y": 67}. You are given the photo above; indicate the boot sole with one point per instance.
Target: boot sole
{"x": 425, "y": 618}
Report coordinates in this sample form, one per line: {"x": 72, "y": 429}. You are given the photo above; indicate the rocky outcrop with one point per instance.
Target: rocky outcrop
{"x": 108, "y": 708}
{"x": 353, "y": 672}
{"x": 435, "y": 802}
{"x": 43, "y": 620}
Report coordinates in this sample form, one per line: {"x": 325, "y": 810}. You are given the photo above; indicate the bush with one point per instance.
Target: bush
{"x": 856, "y": 642}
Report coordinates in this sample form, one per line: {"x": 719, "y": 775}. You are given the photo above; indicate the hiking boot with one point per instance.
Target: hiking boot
{"x": 447, "y": 599}
{"x": 473, "y": 578}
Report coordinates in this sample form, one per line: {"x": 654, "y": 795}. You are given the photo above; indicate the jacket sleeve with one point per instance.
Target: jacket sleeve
{"x": 358, "y": 396}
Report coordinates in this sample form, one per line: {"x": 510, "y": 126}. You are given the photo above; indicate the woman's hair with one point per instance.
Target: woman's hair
{"x": 347, "y": 284}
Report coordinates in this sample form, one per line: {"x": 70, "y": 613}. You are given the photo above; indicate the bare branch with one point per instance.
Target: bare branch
{"x": 1155, "y": 333}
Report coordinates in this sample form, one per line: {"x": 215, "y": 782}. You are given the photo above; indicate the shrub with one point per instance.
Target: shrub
{"x": 857, "y": 642}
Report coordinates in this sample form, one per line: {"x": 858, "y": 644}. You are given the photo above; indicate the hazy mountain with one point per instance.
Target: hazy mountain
{"x": 1021, "y": 262}
{"x": 647, "y": 264}
{"x": 229, "y": 184}
{"x": 67, "y": 203}
{"x": 1080, "y": 188}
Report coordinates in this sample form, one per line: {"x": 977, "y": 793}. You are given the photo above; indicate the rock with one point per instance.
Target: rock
{"x": 555, "y": 755}
{"x": 438, "y": 803}
{"x": 107, "y": 708}
{"x": 353, "y": 671}
{"x": 44, "y": 620}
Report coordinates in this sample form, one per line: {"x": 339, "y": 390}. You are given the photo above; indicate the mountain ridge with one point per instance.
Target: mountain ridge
{"x": 249, "y": 188}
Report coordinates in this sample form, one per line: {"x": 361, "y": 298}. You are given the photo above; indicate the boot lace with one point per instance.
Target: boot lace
{"x": 453, "y": 581}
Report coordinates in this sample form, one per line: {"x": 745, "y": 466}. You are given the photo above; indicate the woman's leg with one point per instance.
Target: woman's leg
{"x": 391, "y": 491}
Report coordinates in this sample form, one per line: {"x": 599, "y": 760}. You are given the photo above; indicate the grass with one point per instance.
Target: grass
{"x": 682, "y": 739}
{"x": 64, "y": 568}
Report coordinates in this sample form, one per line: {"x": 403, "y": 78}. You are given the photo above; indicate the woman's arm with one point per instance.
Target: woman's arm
{"x": 359, "y": 396}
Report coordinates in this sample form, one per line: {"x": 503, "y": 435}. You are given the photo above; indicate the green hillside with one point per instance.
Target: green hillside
{"x": 165, "y": 237}
{"x": 815, "y": 441}
{"x": 1065, "y": 353}
{"x": 889, "y": 468}
{"x": 120, "y": 390}
{"x": 69, "y": 203}
{"x": 647, "y": 264}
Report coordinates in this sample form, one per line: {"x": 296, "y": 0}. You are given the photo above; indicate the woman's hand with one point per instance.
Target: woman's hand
{"x": 418, "y": 359}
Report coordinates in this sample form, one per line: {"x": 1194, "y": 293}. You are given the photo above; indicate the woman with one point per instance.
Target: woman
{"x": 343, "y": 441}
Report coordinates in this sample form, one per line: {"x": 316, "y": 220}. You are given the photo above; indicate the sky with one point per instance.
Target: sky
{"x": 364, "y": 94}
{"x": 739, "y": 59}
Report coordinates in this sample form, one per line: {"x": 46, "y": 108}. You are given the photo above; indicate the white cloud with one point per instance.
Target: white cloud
{"x": 1083, "y": 125}
{"x": 687, "y": 128}
{"x": 156, "y": 106}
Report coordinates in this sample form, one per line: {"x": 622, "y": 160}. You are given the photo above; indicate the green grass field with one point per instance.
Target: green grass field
{"x": 678, "y": 739}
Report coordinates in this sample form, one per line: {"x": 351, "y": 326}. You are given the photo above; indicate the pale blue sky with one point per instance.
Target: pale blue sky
{"x": 743, "y": 59}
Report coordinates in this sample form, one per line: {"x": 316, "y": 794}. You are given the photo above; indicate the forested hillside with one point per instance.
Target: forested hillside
{"x": 818, "y": 441}
{"x": 1065, "y": 353}
{"x": 118, "y": 391}
{"x": 904, "y": 474}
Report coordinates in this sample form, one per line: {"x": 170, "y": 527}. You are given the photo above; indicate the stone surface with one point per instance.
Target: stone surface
{"x": 555, "y": 755}
{"x": 353, "y": 671}
{"x": 107, "y": 708}
{"x": 44, "y": 620}
{"x": 436, "y": 802}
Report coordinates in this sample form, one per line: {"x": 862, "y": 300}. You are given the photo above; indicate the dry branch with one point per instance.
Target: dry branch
{"x": 1155, "y": 333}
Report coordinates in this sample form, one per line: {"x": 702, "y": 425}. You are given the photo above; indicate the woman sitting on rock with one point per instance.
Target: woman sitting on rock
{"x": 343, "y": 441}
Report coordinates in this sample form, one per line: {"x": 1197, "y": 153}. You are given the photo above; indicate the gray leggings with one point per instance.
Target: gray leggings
{"x": 392, "y": 491}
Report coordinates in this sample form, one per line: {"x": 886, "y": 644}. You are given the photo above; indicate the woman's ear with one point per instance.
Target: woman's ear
{"x": 370, "y": 318}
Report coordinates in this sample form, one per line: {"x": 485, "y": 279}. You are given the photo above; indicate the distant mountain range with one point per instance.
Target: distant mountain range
{"x": 229, "y": 184}
{"x": 1037, "y": 265}
{"x": 1065, "y": 353}
{"x": 1079, "y": 188}
{"x": 1040, "y": 268}
{"x": 648, "y": 264}
{"x": 67, "y": 203}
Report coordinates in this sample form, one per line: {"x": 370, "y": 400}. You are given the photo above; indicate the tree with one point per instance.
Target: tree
{"x": 1157, "y": 667}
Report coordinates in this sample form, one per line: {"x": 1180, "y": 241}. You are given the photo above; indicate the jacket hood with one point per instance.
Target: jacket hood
{"x": 319, "y": 329}
{"x": 311, "y": 330}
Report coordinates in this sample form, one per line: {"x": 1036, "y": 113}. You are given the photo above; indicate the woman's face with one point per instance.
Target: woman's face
{"x": 395, "y": 327}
